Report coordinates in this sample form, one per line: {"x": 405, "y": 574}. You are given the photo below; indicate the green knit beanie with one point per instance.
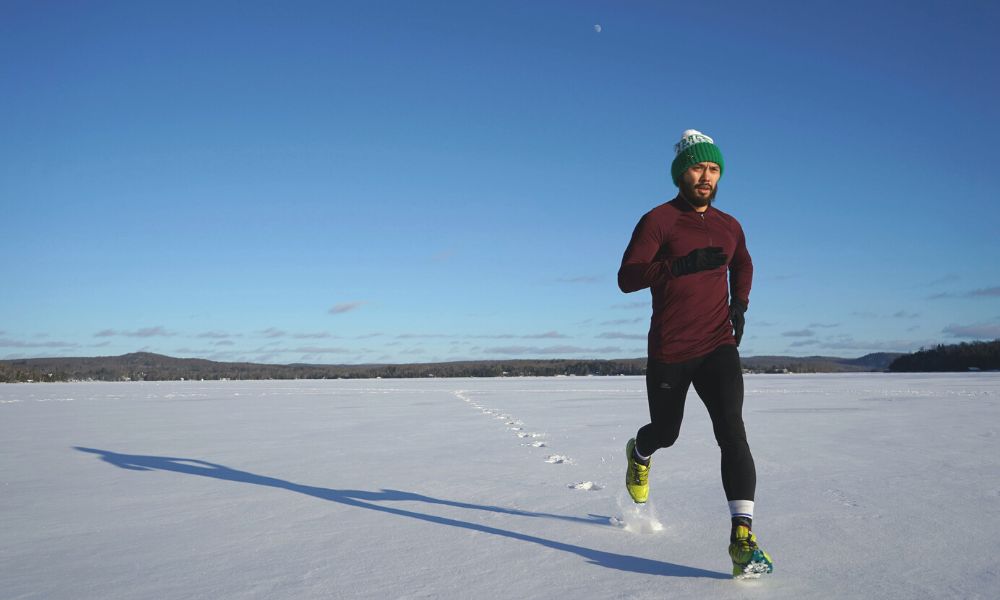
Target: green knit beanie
{"x": 694, "y": 147}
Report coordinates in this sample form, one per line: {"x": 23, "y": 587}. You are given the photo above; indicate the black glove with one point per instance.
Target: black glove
{"x": 702, "y": 259}
{"x": 736, "y": 310}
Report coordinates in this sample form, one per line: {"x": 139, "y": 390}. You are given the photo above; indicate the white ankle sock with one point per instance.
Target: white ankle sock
{"x": 741, "y": 508}
{"x": 635, "y": 451}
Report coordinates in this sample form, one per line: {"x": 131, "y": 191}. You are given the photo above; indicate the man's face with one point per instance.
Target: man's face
{"x": 700, "y": 182}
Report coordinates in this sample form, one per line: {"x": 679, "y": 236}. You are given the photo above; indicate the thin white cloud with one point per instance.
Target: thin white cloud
{"x": 344, "y": 307}
{"x": 275, "y": 351}
{"x": 631, "y": 305}
{"x": 13, "y": 356}
{"x": 148, "y": 332}
{"x": 217, "y": 335}
{"x": 548, "y": 335}
{"x": 423, "y": 336}
{"x": 616, "y": 335}
{"x": 319, "y": 350}
{"x": 799, "y": 333}
{"x": 317, "y": 335}
{"x": 624, "y": 321}
{"x": 978, "y": 331}
{"x": 8, "y": 343}
{"x": 145, "y": 332}
{"x": 549, "y": 350}
{"x": 992, "y": 292}
{"x": 191, "y": 352}
{"x": 802, "y": 343}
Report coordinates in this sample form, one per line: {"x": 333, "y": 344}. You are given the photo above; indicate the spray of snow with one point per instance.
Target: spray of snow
{"x": 588, "y": 486}
{"x": 636, "y": 518}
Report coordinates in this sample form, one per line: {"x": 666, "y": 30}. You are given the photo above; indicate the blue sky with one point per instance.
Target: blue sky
{"x": 353, "y": 182}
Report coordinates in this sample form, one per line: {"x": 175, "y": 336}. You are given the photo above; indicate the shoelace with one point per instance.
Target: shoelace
{"x": 639, "y": 476}
{"x": 747, "y": 543}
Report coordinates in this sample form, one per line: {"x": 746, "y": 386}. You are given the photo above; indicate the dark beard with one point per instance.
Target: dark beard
{"x": 688, "y": 193}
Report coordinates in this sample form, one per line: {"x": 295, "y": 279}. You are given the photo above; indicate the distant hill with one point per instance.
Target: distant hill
{"x": 146, "y": 366}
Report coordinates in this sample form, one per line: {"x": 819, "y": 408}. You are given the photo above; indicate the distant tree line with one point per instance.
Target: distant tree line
{"x": 144, "y": 366}
{"x": 966, "y": 356}
{"x": 9, "y": 374}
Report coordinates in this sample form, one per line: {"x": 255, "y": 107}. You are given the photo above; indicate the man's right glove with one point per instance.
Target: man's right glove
{"x": 702, "y": 259}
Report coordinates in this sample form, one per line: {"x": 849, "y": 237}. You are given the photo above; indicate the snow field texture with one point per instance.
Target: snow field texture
{"x": 869, "y": 485}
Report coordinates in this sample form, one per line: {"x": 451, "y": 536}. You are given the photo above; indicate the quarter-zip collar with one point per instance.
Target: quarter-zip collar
{"x": 681, "y": 203}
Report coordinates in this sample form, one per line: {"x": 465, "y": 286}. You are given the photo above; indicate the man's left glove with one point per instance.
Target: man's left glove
{"x": 736, "y": 310}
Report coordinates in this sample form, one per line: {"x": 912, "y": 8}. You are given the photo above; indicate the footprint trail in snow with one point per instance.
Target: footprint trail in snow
{"x": 631, "y": 517}
{"x": 529, "y": 438}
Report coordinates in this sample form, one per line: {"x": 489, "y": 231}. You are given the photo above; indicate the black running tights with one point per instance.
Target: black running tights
{"x": 718, "y": 380}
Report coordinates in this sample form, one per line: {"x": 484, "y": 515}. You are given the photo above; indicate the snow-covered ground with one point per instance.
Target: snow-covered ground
{"x": 869, "y": 486}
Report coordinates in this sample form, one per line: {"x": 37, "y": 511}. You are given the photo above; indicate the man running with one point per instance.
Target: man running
{"x": 683, "y": 251}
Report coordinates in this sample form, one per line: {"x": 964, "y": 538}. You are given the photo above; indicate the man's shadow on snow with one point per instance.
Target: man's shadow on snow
{"x": 374, "y": 500}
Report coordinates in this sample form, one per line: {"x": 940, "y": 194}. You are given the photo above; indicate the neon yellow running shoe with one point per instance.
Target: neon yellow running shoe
{"x": 749, "y": 560}
{"x": 637, "y": 476}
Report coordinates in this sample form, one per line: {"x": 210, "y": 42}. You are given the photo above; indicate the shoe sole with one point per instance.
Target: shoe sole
{"x": 757, "y": 566}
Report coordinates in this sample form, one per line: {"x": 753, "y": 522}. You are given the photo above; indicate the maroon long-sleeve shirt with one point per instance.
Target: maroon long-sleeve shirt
{"x": 690, "y": 312}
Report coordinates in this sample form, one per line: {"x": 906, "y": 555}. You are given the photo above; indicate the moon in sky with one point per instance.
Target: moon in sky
{"x": 598, "y": 28}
